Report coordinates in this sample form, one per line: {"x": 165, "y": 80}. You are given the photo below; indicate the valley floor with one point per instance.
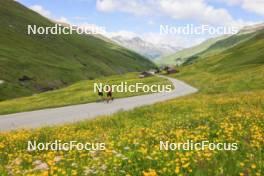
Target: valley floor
{"x": 87, "y": 111}
{"x": 132, "y": 140}
{"x": 79, "y": 93}
{"x": 220, "y": 113}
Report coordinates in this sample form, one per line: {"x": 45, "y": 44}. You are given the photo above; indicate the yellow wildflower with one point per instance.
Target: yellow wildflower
{"x": 150, "y": 173}
{"x": 177, "y": 170}
{"x": 253, "y": 166}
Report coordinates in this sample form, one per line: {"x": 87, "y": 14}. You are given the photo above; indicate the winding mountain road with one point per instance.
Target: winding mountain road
{"x": 74, "y": 113}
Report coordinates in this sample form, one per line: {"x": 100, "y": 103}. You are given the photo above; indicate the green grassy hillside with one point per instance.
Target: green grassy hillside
{"x": 78, "y": 93}
{"x": 243, "y": 63}
{"x": 222, "y": 45}
{"x": 36, "y": 63}
{"x": 181, "y": 56}
{"x": 229, "y": 108}
{"x": 209, "y": 47}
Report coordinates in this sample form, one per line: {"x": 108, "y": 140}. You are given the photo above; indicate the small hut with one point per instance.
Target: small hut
{"x": 171, "y": 70}
{"x": 144, "y": 74}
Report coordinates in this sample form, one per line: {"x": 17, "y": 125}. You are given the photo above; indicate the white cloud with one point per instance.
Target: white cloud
{"x": 201, "y": 12}
{"x": 79, "y": 18}
{"x": 230, "y": 2}
{"x": 122, "y": 33}
{"x": 106, "y": 6}
{"x": 63, "y": 20}
{"x": 151, "y": 22}
{"x": 256, "y": 6}
{"x": 173, "y": 40}
{"x": 198, "y": 10}
{"x": 136, "y": 7}
{"x": 39, "y": 9}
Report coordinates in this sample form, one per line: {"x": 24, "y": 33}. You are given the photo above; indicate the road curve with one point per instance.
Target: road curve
{"x": 74, "y": 113}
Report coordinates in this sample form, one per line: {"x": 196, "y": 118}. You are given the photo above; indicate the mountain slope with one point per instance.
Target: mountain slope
{"x": 210, "y": 47}
{"x": 244, "y": 35}
{"x": 149, "y": 50}
{"x": 251, "y": 28}
{"x": 35, "y": 63}
{"x": 181, "y": 56}
{"x": 240, "y": 67}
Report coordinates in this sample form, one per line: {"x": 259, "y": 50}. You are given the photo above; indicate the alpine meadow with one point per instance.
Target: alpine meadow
{"x": 217, "y": 96}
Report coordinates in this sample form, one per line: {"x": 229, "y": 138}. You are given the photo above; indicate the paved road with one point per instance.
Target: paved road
{"x": 69, "y": 114}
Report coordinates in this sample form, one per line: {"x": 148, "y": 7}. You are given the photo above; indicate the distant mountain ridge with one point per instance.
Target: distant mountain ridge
{"x": 252, "y": 28}
{"x": 147, "y": 49}
{"x": 181, "y": 56}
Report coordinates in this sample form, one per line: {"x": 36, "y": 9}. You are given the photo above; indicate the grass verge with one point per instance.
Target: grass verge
{"x": 78, "y": 93}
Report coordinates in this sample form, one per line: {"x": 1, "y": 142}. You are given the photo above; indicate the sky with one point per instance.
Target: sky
{"x": 144, "y": 18}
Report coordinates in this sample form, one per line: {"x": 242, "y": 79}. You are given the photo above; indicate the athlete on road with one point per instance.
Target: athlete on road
{"x": 109, "y": 95}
